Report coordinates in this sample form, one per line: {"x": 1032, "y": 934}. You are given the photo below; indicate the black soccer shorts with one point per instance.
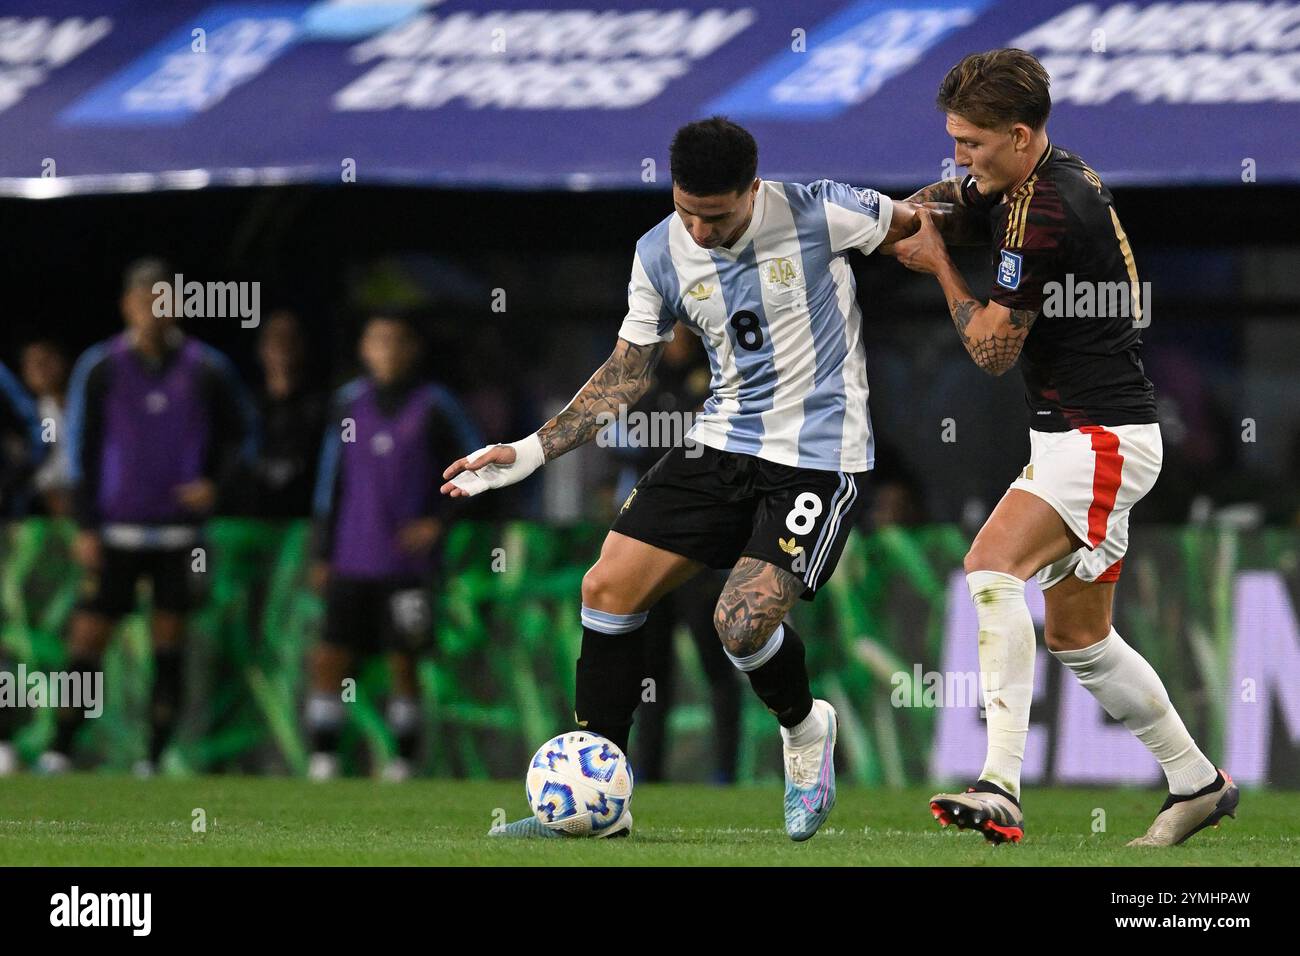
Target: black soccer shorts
{"x": 369, "y": 616}
{"x": 719, "y": 506}
{"x": 111, "y": 590}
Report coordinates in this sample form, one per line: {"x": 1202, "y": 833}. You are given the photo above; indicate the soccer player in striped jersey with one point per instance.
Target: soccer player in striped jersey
{"x": 772, "y": 479}
{"x": 1094, "y": 439}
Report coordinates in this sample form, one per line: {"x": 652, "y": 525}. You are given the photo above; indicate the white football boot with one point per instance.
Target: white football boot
{"x": 810, "y": 779}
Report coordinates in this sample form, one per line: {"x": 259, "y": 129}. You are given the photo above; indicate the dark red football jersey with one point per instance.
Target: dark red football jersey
{"x": 1060, "y": 251}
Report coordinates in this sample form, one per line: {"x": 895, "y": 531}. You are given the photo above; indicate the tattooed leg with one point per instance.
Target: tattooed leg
{"x": 753, "y": 604}
{"x": 750, "y": 621}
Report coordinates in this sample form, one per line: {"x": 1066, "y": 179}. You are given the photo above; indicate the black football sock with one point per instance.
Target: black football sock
{"x": 403, "y": 717}
{"x": 165, "y": 705}
{"x": 70, "y": 719}
{"x": 610, "y": 670}
{"x": 777, "y": 674}
{"x": 649, "y": 751}
{"x": 324, "y": 721}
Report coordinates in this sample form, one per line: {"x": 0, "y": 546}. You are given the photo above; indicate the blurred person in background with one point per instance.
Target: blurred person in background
{"x": 680, "y": 388}
{"x": 291, "y": 410}
{"x": 21, "y": 447}
{"x": 20, "y": 451}
{"x": 897, "y": 497}
{"x": 157, "y": 421}
{"x": 379, "y": 519}
{"x": 45, "y": 373}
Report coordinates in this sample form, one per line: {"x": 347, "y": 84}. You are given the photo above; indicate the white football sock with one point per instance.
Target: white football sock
{"x": 809, "y": 730}
{"x": 1006, "y": 654}
{"x": 1130, "y": 691}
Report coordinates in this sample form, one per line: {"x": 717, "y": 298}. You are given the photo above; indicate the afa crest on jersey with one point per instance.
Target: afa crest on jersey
{"x": 782, "y": 274}
{"x": 1009, "y": 270}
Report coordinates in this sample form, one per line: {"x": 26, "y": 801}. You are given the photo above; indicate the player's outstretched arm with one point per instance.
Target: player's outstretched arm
{"x": 945, "y": 190}
{"x": 958, "y": 223}
{"x": 622, "y": 380}
{"x": 626, "y": 375}
{"x": 992, "y": 334}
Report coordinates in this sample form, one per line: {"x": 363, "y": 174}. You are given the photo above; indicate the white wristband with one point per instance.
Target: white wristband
{"x": 529, "y": 456}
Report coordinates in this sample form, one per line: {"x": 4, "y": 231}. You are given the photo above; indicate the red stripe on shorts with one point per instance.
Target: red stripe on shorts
{"x": 1109, "y": 463}
{"x": 1111, "y": 573}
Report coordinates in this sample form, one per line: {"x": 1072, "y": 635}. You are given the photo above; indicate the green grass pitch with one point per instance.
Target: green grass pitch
{"x": 88, "y": 819}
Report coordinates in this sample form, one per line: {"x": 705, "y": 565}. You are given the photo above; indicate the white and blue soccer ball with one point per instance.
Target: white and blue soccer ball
{"x": 579, "y": 784}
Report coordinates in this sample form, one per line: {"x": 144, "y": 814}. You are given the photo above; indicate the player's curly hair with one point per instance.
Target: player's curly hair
{"x": 996, "y": 89}
{"x": 713, "y": 156}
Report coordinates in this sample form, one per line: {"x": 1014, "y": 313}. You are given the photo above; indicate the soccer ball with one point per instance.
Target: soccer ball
{"x": 579, "y": 784}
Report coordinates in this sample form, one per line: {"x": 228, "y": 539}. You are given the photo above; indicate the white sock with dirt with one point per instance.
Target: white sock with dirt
{"x": 1129, "y": 689}
{"x": 1006, "y": 655}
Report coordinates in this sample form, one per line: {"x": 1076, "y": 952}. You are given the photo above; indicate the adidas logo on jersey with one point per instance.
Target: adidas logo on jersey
{"x": 789, "y": 547}
{"x": 700, "y": 292}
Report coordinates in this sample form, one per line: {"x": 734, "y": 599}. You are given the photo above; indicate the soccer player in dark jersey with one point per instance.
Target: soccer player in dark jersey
{"x": 157, "y": 422}
{"x": 1066, "y": 302}
{"x": 378, "y": 519}
{"x": 291, "y": 410}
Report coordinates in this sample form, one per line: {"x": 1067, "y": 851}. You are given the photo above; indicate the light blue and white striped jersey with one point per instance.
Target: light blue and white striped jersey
{"x": 779, "y": 317}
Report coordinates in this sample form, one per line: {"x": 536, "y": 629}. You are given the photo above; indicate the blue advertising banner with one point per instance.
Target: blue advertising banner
{"x": 97, "y": 95}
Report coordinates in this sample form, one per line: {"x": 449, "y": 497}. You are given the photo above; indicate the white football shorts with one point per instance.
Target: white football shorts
{"x": 1092, "y": 476}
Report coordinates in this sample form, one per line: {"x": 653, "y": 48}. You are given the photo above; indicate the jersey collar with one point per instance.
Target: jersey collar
{"x": 1024, "y": 187}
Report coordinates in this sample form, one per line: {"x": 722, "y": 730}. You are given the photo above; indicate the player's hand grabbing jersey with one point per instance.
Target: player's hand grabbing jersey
{"x": 1060, "y": 226}
{"x": 779, "y": 318}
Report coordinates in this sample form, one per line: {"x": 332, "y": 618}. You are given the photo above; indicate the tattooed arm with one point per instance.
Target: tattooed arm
{"x": 992, "y": 333}
{"x": 622, "y": 380}
{"x": 958, "y": 223}
{"x": 946, "y": 191}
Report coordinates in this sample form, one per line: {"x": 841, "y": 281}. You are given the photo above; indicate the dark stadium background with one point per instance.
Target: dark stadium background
{"x": 1224, "y": 263}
